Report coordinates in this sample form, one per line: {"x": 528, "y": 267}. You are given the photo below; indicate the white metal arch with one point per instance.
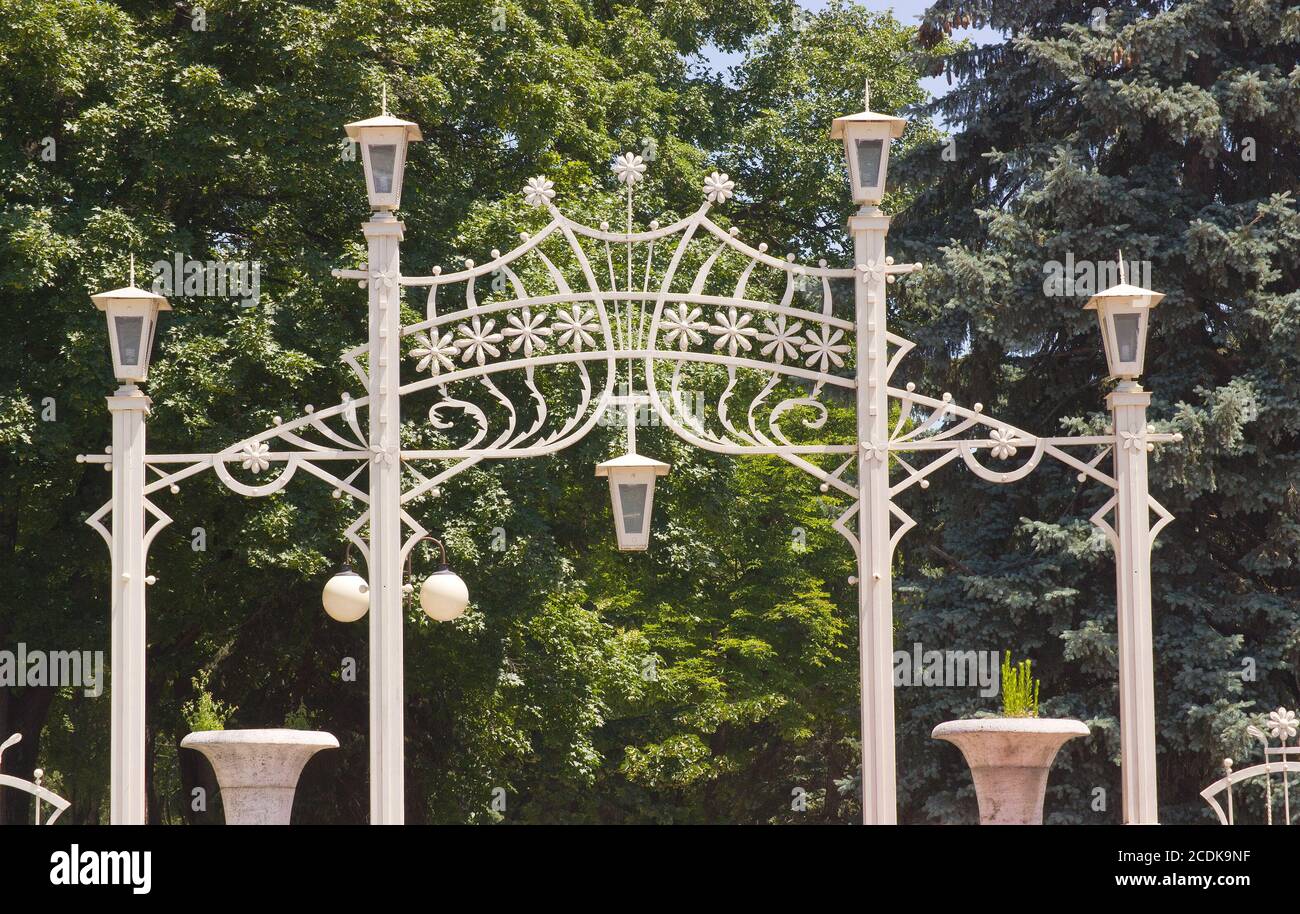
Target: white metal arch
{"x": 651, "y": 317}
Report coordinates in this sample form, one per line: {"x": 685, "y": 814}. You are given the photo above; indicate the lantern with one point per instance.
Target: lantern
{"x": 383, "y": 142}
{"x": 632, "y": 490}
{"x": 346, "y": 597}
{"x": 132, "y": 324}
{"x": 866, "y": 138}
{"x": 1122, "y": 313}
{"x": 443, "y": 595}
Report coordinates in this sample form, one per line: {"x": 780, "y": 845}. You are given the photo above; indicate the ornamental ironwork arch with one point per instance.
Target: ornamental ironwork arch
{"x": 646, "y": 306}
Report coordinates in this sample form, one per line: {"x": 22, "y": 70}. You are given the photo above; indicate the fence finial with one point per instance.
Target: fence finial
{"x": 16, "y": 738}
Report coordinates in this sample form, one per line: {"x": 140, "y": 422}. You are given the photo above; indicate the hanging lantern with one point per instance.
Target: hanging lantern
{"x": 632, "y": 490}
{"x": 346, "y": 597}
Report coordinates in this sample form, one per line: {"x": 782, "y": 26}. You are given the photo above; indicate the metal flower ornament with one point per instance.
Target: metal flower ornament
{"x": 629, "y": 168}
{"x": 523, "y": 354}
{"x": 539, "y": 191}
{"x": 718, "y": 188}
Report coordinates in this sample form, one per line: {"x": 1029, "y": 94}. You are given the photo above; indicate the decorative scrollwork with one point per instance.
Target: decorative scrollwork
{"x": 738, "y": 352}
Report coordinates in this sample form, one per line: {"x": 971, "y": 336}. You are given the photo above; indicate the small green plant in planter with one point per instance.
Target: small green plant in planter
{"x": 203, "y": 712}
{"x": 1019, "y": 688}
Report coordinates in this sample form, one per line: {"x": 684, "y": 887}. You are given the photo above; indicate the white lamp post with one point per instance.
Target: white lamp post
{"x": 132, "y": 324}
{"x": 866, "y": 138}
{"x": 383, "y": 142}
{"x": 1123, "y": 312}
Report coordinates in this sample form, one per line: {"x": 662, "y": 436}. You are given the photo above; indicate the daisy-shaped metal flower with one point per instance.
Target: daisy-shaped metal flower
{"x": 718, "y": 188}
{"x": 1282, "y": 723}
{"x": 782, "y": 340}
{"x": 254, "y": 456}
{"x": 479, "y": 341}
{"x": 682, "y": 328}
{"x": 732, "y": 331}
{"x": 539, "y": 190}
{"x": 528, "y": 330}
{"x": 577, "y": 327}
{"x": 435, "y": 355}
{"x": 1002, "y": 446}
{"x": 629, "y": 168}
{"x": 824, "y": 348}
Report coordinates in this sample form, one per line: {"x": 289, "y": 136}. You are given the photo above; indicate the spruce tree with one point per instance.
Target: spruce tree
{"x": 1172, "y": 131}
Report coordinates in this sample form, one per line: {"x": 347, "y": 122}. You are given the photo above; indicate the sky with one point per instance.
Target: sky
{"x": 907, "y": 12}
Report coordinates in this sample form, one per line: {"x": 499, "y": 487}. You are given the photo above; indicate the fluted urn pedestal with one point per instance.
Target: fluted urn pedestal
{"x": 1009, "y": 758}
{"x": 258, "y": 769}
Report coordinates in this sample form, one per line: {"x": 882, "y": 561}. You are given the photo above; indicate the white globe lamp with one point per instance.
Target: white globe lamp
{"x": 346, "y": 597}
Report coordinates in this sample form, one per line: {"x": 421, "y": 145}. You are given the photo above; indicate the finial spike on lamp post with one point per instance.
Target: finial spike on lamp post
{"x": 866, "y": 94}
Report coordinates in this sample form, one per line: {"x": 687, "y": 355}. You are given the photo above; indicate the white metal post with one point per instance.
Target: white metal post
{"x": 1137, "y": 704}
{"x": 127, "y": 803}
{"x": 387, "y": 694}
{"x": 875, "y": 585}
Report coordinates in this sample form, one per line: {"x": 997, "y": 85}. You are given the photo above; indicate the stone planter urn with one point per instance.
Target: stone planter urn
{"x": 258, "y": 769}
{"x": 1009, "y": 758}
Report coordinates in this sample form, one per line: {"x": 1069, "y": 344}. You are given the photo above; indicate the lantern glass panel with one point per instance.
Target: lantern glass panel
{"x": 632, "y": 499}
{"x": 1126, "y": 336}
{"x": 129, "y": 337}
{"x": 383, "y": 163}
{"x": 869, "y": 154}
{"x": 151, "y": 328}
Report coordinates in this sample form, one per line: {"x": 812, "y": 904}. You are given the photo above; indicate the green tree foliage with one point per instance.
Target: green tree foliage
{"x": 1170, "y": 130}
{"x": 705, "y": 680}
